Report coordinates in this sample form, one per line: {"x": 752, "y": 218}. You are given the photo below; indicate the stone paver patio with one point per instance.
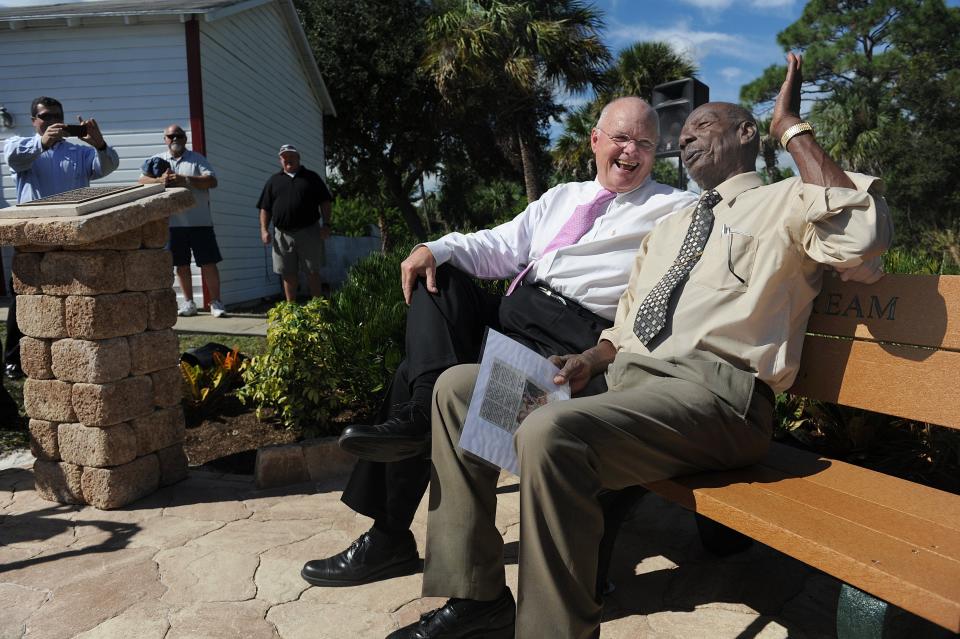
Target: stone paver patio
{"x": 211, "y": 557}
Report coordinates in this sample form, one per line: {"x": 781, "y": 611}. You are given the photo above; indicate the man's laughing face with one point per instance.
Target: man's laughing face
{"x": 623, "y": 144}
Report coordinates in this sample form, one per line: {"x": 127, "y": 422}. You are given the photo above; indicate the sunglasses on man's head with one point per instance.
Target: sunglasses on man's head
{"x": 176, "y": 136}
{"x": 50, "y": 116}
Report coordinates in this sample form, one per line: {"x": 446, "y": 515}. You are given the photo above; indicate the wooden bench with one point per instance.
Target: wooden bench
{"x": 894, "y": 348}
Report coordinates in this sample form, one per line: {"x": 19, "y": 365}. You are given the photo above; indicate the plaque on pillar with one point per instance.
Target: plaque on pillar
{"x": 82, "y": 201}
{"x": 89, "y": 266}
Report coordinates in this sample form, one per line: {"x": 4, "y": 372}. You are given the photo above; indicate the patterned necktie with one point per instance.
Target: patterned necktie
{"x": 572, "y": 230}
{"x": 652, "y": 312}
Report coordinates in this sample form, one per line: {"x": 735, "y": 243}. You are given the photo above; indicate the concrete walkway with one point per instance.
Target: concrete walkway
{"x": 234, "y": 324}
{"x": 212, "y": 558}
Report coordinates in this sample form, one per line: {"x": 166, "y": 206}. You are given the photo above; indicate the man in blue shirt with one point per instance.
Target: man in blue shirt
{"x": 45, "y": 164}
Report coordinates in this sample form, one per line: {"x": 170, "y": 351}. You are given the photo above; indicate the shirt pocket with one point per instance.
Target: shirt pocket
{"x": 727, "y": 262}
{"x": 71, "y": 165}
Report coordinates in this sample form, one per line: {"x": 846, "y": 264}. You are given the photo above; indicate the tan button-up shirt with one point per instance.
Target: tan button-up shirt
{"x": 747, "y": 300}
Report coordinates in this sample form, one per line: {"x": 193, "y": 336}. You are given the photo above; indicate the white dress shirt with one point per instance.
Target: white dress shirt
{"x": 592, "y": 272}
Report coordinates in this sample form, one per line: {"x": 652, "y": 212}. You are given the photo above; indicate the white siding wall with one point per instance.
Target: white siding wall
{"x": 131, "y": 78}
{"x": 256, "y": 97}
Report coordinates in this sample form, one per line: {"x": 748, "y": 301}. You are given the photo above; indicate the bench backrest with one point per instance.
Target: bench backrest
{"x": 892, "y": 347}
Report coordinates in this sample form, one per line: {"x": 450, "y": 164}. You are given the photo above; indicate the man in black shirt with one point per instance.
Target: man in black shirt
{"x": 295, "y": 199}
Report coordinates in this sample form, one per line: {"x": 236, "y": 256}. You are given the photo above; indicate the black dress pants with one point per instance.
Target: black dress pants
{"x": 446, "y": 329}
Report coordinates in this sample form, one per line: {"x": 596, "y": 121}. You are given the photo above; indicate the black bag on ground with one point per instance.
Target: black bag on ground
{"x": 202, "y": 356}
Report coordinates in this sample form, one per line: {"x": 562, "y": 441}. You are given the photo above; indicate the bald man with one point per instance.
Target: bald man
{"x": 565, "y": 292}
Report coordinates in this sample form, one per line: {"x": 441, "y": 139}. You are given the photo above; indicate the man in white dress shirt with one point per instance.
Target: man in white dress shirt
{"x": 567, "y": 295}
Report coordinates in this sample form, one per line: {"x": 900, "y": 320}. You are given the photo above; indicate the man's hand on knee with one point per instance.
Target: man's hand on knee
{"x": 420, "y": 263}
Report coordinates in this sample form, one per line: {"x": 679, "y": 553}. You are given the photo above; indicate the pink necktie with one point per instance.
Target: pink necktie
{"x": 572, "y": 230}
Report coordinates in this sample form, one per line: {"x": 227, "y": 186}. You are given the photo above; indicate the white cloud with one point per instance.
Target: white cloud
{"x": 698, "y": 45}
{"x": 716, "y": 5}
{"x": 770, "y": 4}
{"x": 731, "y": 73}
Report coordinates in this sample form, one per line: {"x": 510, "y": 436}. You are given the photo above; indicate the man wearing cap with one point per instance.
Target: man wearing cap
{"x": 295, "y": 199}
{"x": 192, "y": 230}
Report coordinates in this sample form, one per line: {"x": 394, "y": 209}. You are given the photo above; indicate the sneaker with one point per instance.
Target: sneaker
{"x": 217, "y": 309}
{"x": 187, "y": 309}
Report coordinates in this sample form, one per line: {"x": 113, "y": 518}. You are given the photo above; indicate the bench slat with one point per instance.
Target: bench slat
{"x": 844, "y": 549}
{"x": 929, "y": 504}
{"x": 922, "y": 310}
{"x": 908, "y": 382}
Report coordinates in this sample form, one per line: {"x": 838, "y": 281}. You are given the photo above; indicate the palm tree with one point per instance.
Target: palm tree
{"x": 572, "y": 158}
{"x": 637, "y": 70}
{"x": 522, "y": 52}
{"x": 643, "y": 65}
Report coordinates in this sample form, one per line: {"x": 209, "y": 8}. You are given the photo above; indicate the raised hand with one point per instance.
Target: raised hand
{"x": 786, "y": 111}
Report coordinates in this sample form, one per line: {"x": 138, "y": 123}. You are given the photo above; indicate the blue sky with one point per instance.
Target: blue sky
{"x": 730, "y": 41}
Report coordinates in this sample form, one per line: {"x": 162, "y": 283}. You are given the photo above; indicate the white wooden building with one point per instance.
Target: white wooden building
{"x": 238, "y": 75}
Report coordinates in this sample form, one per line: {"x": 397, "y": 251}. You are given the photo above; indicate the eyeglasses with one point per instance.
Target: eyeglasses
{"x": 176, "y": 136}
{"x": 49, "y": 116}
{"x": 623, "y": 141}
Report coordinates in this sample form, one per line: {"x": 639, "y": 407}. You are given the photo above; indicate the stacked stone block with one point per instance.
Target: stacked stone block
{"x": 103, "y": 389}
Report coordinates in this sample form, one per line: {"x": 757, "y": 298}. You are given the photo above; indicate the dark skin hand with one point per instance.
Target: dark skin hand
{"x": 579, "y": 369}
{"x": 816, "y": 167}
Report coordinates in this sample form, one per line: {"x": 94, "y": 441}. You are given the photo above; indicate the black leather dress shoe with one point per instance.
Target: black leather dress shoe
{"x": 372, "y": 557}
{"x": 13, "y": 371}
{"x": 463, "y": 618}
{"x": 406, "y": 434}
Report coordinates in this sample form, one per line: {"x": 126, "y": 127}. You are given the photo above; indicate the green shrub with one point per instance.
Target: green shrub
{"x": 328, "y": 356}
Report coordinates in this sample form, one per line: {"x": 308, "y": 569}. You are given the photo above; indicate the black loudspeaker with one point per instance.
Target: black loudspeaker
{"x": 673, "y": 102}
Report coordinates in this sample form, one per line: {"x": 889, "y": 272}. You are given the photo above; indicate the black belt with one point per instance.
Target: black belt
{"x": 760, "y": 388}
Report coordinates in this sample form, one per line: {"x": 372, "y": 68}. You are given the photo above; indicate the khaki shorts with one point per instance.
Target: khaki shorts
{"x": 300, "y": 250}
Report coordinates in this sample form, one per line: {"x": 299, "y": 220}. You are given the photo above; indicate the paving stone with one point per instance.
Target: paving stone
{"x": 219, "y": 620}
{"x": 41, "y": 316}
{"x": 328, "y": 621}
{"x": 156, "y": 234}
{"x": 86, "y": 273}
{"x": 114, "y": 402}
{"x": 147, "y": 620}
{"x": 91, "y": 446}
{"x": 107, "y": 488}
{"x": 250, "y": 537}
{"x": 159, "y": 429}
{"x": 147, "y": 269}
{"x": 85, "y": 603}
{"x": 43, "y": 440}
{"x": 167, "y": 387}
{"x": 19, "y": 604}
{"x": 25, "y": 270}
{"x": 153, "y": 350}
{"x": 125, "y": 241}
{"x": 712, "y": 622}
{"x": 161, "y": 309}
{"x": 193, "y": 574}
{"x": 279, "y": 466}
{"x": 59, "y": 481}
{"x": 173, "y": 464}
{"x": 105, "y": 316}
{"x": 92, "y": 361}
{"x": 48, "y": 399}
{"x": 35, "y": 358}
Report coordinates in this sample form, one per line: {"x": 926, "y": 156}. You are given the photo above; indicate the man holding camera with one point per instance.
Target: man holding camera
{"x": 46, "y": 164}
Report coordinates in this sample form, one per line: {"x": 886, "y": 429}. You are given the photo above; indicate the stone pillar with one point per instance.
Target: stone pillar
{"x": 103, "y": 384}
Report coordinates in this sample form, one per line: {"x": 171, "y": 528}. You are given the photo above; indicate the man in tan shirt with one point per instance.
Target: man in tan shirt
{"x": 710, "y": 326}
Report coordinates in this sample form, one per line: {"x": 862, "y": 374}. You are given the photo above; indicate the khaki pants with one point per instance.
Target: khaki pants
{"x": 659, "y": 419}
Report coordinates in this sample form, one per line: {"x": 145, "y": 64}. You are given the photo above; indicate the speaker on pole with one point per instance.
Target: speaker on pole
{"x": 673, "y": 102}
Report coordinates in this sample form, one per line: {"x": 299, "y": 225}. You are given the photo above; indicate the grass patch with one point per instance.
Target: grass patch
{"x": 247, "y": 344}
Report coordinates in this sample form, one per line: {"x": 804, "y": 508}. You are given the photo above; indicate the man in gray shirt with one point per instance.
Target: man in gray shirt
{"x": 192, "y": 230}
